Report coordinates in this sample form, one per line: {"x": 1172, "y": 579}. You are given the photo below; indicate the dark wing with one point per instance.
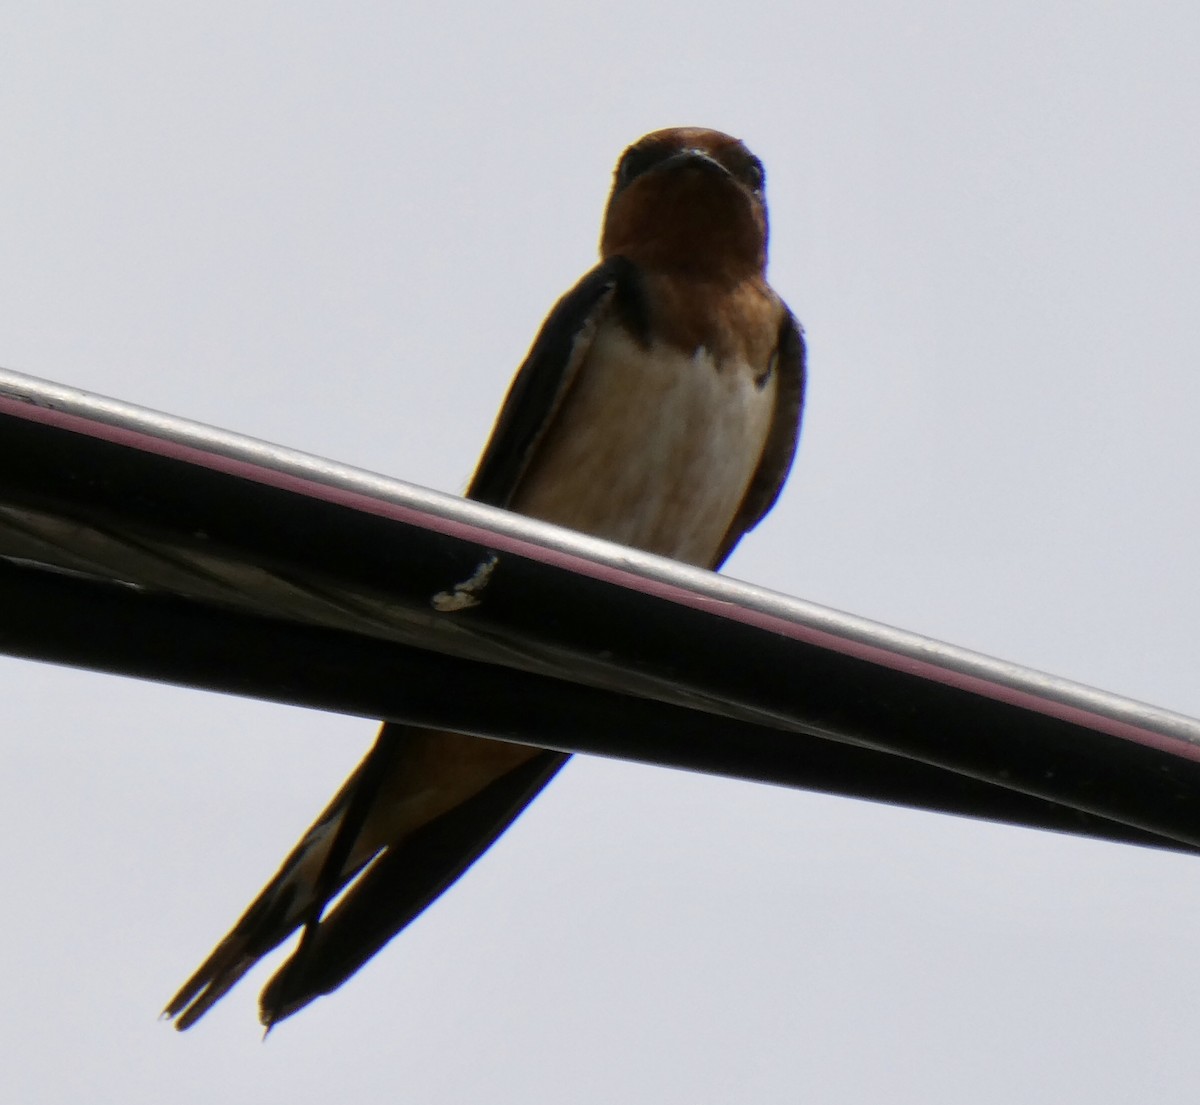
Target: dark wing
{"x": 780, "y": 449}
{"x": 407, "y": 877}
{"x": 543, "y": 381}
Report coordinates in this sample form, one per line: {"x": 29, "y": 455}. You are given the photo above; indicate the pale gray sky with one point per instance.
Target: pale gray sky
{"x": 338, "y": 227}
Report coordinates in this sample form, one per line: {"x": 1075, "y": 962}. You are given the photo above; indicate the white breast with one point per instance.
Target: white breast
{"x": 652, "y": 448}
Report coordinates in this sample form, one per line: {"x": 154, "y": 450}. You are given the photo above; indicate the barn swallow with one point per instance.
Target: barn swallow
{"x": 659, "y": 406}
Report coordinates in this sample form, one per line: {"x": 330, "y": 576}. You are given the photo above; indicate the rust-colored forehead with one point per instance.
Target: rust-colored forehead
{"x": 661, "y": 145}
{"x": 712, "y": 142}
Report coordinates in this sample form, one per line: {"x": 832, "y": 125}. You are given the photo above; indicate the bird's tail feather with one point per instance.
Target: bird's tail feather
{"x": 391, "y": 886}
{"x": 397, "y": 886}
{"x": 297, "y": 894}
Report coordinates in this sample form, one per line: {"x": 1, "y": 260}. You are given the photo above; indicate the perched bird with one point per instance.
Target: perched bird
{"x": 659, "y": 406}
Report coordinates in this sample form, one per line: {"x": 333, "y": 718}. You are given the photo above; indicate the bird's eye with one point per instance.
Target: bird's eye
{"x": 636, "y": 160}
{"x": 754, "y": 174}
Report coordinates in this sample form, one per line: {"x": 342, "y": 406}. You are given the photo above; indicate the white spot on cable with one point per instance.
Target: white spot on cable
{"x": 466, "y": 594}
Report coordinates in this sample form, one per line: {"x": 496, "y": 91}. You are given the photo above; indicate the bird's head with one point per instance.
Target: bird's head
{"x": 688, "y": 200}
